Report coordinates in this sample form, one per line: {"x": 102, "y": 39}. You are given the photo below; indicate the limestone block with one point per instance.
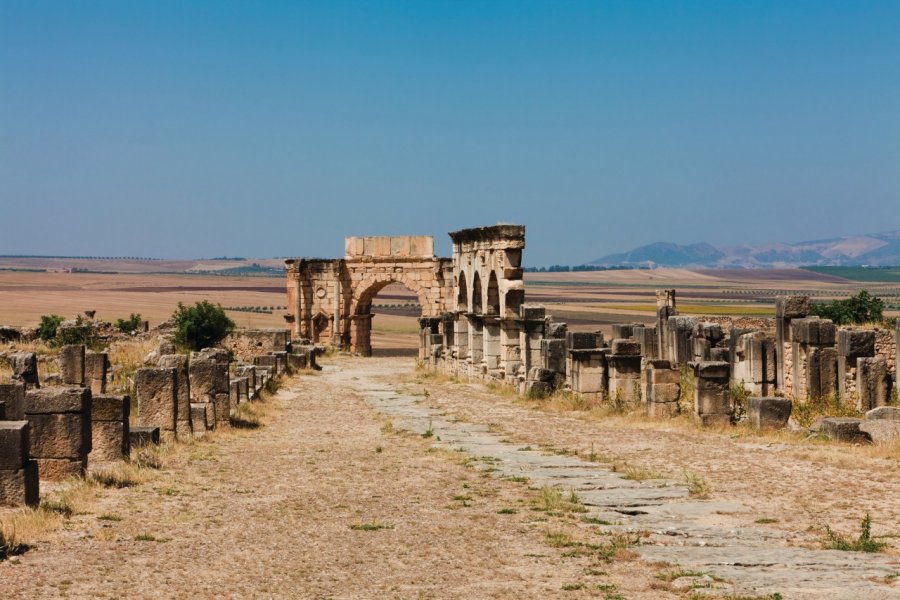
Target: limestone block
{"x": 110, "y": 440}
{"x": 20, "y": 487}
{"x": 52, "y": 400}
{"x": 155, "y": 389}
{"x": 714, "y": 420}
{"x": 13, "y": 397}
{"x": 110, "y": 408}
{"x": 234, "y": 394}
{"x": 198, "y": 418}
{"x": 890, "y": 413}
{"x": 24, "y": 368}
{"x": 143, "y": 436}
{"x": 63, "y": 435}
{"x": 222, "y": 408}
{"x": 210, "y": 414}
{"x": 768, "y": 413}
{"x": 267, "y": 361}
{"x": 719, "y": 354}
{"x": 871, "y": 382}
{"x": 532, "y": 311}
{"x": 297, "y": 361}
{"x": 180, "y": 363}
{"x": 557, "y": 330}
{"x": 582, "y": 340}
{"x": 856, "y": 343}
{"x": 622, "y": 331}
{"x": 71, "y": 364}
{"x": 96, "y": 367}
{"x": 845, "y": 429}
{"x": 60, "y": 469}
{"x": 881, "y": 431}
{"x": 622, "y": 347}
{"x": 202, "y": 374}
{"x": 792, "y": 307}
{"x": 14, "y": 445}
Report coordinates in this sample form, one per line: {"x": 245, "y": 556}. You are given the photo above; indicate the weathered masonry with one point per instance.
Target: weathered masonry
{"x": 473, "y": 297}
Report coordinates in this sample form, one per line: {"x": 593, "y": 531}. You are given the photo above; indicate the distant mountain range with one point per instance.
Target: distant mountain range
{"x": 875, "y": 250}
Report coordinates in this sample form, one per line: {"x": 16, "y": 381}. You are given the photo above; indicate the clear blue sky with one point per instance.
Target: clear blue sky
{"x": 264, "y": 128}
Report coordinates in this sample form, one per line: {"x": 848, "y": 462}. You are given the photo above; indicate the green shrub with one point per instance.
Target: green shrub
{"x": 49, "y": 324}
{"x": 130, "y": 324}
{"x": 201, "y": 326}
{"x": 856, "y": 310}
{"x": 864, "y": 543}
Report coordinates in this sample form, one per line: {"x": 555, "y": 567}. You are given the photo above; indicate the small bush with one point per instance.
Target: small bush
{"x": 130, "y": 324}
{"x": 804, "y": 413}
{"x": 49, "y": 324}
{"x": 202, "y": 325}
{"x": 858, "y": 309}
{"x": 739, "y": 396}
{"x": 864, "y": 543}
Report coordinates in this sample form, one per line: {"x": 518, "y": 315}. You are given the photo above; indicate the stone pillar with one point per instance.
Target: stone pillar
{"x": 663, "y": 388}
{"x": 665, "y": 308}
{"x": 60, "y": 430}
{"x": 588, "y": 374}
{"x": 647, "y": 338}
{"x": 179, "y": 362}
{"x": 531, "y": 332}
{"x": 18, "y": 472}
{"x": 679, "y": 334}
{"x": 624, "y": 361}
{"x": 476, "y": 343}
{"x": 807, "y": 334}
{"x": 71, "y": 364}
{"x": 872, "y": 382}
{"x": 12, "y": 395}
{"x": 769, "y": 413}
{"x": 156, "y": 391}
{"x": 110, "y": 432}
{"x": 96, "y": 366}
{"x": 554, "y": 355}
{"x": 712, "y": 402}
{"x": 852, "y": 344}
{"x": 362, "y": 328}
{"x": 510, "y": 348}
{"x": 787, "y": 308}
{"x": 491, "y": 356}
{"x": 461, "y": 338}
{"x": 753, "y": 361}
{"x": 336, "y": 326}
{"x": 24, "y": 369}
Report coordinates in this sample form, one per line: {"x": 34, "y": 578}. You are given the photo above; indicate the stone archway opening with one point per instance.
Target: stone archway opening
{"x": 392, "y": 310}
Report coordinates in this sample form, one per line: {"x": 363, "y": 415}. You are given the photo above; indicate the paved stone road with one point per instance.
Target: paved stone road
{"x": 703, "y": 536}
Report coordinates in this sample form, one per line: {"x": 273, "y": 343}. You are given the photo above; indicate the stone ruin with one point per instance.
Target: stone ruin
{"x": 475, "y": 324}
{"x": 50, "y": 432}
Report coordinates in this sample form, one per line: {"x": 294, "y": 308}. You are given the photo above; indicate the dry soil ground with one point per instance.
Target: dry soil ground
{"x": 329, "y": 501}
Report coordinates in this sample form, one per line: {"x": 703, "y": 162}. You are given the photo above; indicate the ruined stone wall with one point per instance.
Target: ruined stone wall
{"x": 886, "y": 347}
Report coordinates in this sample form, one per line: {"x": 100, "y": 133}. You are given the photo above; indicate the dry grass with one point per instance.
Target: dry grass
{"x": 554, "y": 500}
{"x": 119, "y": 475}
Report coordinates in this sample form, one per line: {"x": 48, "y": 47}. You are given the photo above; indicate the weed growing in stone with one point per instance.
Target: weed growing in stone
{"x": 696, "y": 486}
{"x": 864, "y": 543}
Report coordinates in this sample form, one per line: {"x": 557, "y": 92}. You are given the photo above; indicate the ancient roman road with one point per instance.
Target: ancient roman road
{"x": 362, "y": 485}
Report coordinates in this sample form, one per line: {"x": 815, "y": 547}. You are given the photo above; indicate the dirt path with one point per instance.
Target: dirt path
{"x": 326, "y": 501}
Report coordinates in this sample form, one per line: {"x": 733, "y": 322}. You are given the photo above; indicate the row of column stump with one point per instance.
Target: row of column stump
{"x": 48, "y": 433}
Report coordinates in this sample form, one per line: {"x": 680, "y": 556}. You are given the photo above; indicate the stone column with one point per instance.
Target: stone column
{"x": 787, "y": 308}
{"x": 96, "y": 365}
{"x": 665, "y": 308}
{"x": 712, "y": 402}
{"x": 808, "y": 334}
{"x": 624, "y": 361}
{"x": 852, "y": 344}
{"x": 511, "y": 350}
{"x": 336, "y": 326}
{"x": 872, "y": 382}
{"x": 461, "y": 337}
{"x": 531, "y": 332}
{"x": 663, "y": 389}
{"x": 476, "y": 343}
{"x": 71, "y": 364}
{"x": 679, "y": 334}
{"x": 59, "y": 420}
{"x": 491, "y": 357}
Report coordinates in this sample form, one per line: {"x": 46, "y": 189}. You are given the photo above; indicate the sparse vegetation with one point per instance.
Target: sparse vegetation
{"x": 864, "y": 543}
{"x": 738, "y": 395}
{"x": 859, "y": 309}
{"x": 130, "y": 324}
{"x": 804, "y": 413}
{"x": 118, "y": 475}
{"x": 553, "y": 500}
{"x": 202, "y": 325}
{"x": 47, "y": 328}
{"x": 697, "y": 487}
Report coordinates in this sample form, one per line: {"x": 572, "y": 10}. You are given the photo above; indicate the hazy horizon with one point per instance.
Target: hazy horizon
{"x": 179, "y": 130}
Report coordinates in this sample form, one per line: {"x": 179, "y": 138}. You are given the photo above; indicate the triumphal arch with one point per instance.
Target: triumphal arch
{"x": 471, "y": 301}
